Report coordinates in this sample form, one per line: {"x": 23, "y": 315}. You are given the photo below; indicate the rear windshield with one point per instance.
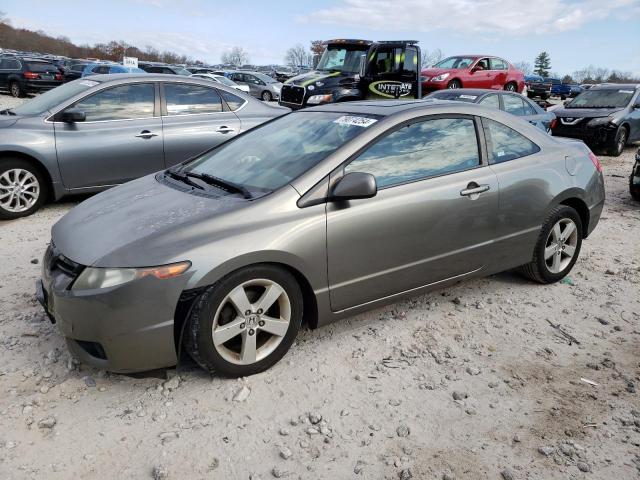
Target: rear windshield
{"x": 41, "y": 67}
{"x": 453, "y": 95}
{"x": 603, "y": 98}
{"x": 52, "y": 98}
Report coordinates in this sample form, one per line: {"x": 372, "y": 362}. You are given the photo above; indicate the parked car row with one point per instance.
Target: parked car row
{"x": 103, "y": 130}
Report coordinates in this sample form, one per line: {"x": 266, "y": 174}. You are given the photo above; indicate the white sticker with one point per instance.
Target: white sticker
{"x": 625, "y": 91}
{"x": 468, "y": 97}
{"x": 500, "y": 153}
{"x": 355, "y": 121}
{"x": 88, "y": 83}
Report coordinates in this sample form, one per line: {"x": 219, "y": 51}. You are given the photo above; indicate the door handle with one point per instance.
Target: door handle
{"x": 224, "y": 129}
{"x": 146, "y": 134}
{"x": 474, "y": 189}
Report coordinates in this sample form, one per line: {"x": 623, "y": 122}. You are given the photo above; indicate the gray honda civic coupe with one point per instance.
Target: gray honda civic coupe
{"x": 93, "y": 133}
{"x": 314, "y": 216}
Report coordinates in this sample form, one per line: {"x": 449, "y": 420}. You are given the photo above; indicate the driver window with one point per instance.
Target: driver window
{"x": 420, "y": 150}
{"x": 484, "y": 63}
{"x": 124, "y": 102}
{"x": 385, "y": 61}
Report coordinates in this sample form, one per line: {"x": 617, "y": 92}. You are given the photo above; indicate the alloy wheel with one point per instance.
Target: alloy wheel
{"x": 15, "y": 89}
{"x": 561, "y": 245}
{"x": 19, "y": 190}
{"x": 266, "y": 96}
{"x": 622, "y": 140}
{"x": 251, "y": 321}
{"x": 511, "y": 87}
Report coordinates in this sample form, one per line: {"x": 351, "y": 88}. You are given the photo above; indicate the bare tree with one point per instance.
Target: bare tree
{"x": 524, "y": 67}
{"x": 297, "y": 56}
{"x": 430, "y": 58}
{"x": 237, "y": 56}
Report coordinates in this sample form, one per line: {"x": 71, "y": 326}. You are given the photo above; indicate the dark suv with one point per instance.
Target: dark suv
{"x": 605, "y": 116}
{"x": 22, "y": 75}
{"x": 167, "y": 69}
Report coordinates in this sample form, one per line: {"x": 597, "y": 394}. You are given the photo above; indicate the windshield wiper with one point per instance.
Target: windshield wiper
{"x": 227, "y": 185}
{"x": 183, "y": 178}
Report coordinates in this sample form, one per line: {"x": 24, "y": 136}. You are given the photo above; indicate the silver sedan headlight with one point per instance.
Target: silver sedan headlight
{"x": 93, "y": 278}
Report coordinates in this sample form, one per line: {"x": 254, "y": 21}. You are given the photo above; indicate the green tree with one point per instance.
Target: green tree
{"x": 542, "y": 64}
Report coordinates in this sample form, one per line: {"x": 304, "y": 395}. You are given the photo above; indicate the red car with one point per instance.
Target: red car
{"x": 472, "y": 71}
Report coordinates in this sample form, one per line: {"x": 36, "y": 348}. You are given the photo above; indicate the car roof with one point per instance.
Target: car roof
{"x": 614, "y": 86}
{"x": 472, "y": 91}
{"x": 382, "y": 108}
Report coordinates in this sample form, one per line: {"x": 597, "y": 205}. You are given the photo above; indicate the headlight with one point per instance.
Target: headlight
{"x": 599, "y": 121}
{"x": 441, "y": 77}
{"x": 93, "y": 278}
{"x": 315, "y": 99}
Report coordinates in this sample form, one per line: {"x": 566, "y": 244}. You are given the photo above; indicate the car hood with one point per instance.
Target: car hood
{"x": 133, "y": 224}
{"x": 320, "y": 80}
{"x": 564, "y": 112}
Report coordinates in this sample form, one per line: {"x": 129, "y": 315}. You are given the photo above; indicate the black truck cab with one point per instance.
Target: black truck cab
{"x": 357, "y": 70}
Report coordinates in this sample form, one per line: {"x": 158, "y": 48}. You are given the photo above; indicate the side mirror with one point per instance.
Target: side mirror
{"x": 353, "y": 186}
{"x": 637, "y": 104}
{"x": 72, "y": 115}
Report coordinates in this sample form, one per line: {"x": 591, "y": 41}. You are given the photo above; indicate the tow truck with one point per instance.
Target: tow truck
{"x": 351, "y": 69}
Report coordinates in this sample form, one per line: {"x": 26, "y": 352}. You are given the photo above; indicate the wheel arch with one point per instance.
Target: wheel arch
{"x": 188, "y": 296}
{"x": 581, "y": 207}
{"x": 9, "y": 154}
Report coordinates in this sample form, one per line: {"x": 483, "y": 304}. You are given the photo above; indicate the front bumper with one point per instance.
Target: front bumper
{"x": 592, "y": 136}
{"x": 126, "y": 328}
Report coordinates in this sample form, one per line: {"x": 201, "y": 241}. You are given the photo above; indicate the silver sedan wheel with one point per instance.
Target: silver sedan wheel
{"x": 561, "y": 245}
{"x": 19, "y": 190}
{"x": 246, "y": 331}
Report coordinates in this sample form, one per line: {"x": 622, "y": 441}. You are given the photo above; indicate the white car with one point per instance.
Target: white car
{"x": 222, "y": 80}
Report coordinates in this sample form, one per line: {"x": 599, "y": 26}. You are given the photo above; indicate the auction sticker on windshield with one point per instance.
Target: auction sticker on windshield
{"x": 469, "y": 97}
{"x": 355, "y": 121}
{"x": 88, "y": 83}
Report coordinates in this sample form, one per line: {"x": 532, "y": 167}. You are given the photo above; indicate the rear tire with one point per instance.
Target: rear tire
{"x": 454, "y": 84}
{"x": 16, "y": 90}
{"x": 619, "y": 141}
{"x": 557, "y": 248}
{"x": 23, "y": 188}
{"x": 250, "y": 341}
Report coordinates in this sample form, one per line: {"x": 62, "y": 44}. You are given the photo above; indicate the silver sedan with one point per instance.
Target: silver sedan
{"x": 314, "y": 216}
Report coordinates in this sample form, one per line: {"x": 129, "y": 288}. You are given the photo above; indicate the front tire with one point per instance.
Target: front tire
{"x": 454, "y": 84}
{"x": 246, "y": 322}
{"x": 23, "y": 188}
{"x": 620, "y": 140}
{"x": 557, "y": 248}
{"x": 266, "y": 96}
{"x": 510, "y": 87}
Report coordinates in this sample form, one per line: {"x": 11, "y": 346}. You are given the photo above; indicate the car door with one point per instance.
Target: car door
{"x": 499, "y": 70}
{"x": 121, "y": 138}
{"x": 479, "y": 75}
{"x": 431, "y": 221}
{"x": 194, "y": 119}
{"x": 255, "y": 84}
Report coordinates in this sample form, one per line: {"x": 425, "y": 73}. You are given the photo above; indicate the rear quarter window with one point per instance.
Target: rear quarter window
{"x": 504, "y": 143}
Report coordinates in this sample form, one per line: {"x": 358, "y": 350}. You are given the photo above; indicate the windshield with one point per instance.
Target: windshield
{"x": 52, "y": 98}
{"x": 265, "y": 78}
{"x": 226, "y": 81}
{"x": 41, "y": 67}
{"x": 455, "y": 62}
{"x": 182, "y": 71}
{"x": 604, "y": 98}
{"x": 272, "y": 155}
{"x": 342, "y": 59}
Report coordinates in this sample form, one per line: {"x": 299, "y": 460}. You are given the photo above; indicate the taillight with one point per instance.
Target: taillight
{"x": 30, "y": 75}
{"x": 58, "y": 76}
{"x": 553, "y": 123}
{"x": 595, "y": 161}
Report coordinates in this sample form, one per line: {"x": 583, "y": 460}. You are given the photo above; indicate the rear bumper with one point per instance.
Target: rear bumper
{"x": 40, "y": 86}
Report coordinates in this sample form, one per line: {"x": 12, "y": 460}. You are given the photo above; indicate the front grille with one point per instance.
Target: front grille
{"x": 54, "y": 261}
{"x": 292, "y": 94}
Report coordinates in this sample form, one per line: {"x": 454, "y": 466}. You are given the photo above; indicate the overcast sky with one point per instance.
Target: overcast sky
{"x": 575, "y": 33}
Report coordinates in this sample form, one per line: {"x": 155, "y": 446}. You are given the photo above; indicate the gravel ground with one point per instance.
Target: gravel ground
{"x": 470, "y": 382}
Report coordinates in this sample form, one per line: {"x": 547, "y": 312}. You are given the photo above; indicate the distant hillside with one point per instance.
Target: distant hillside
{"x": 41, "y": 42}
